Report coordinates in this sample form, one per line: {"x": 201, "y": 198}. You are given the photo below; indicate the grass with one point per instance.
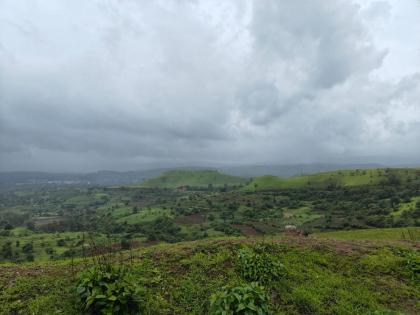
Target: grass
{"x": 406, "y": 206}
{"x": 299, "y": 216}
{"x": 145, "y": 215}
{"x": 193, "y": 178}
{"x": 40, "y": 242}
{"x": 348, "y": 178}
{"x": 43, "y": 241}
{"x": 388, "y": 234}
{"x": 323, "y": 277}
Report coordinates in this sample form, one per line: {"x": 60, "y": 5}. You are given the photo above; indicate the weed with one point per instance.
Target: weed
{"x": 247, "y": 299}
{"x": 111, "y": 291}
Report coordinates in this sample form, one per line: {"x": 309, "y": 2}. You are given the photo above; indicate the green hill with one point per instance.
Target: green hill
{"x": 343, "y": 178}
{"x": 318, "y": 276}
{"x": 193, "y": 178}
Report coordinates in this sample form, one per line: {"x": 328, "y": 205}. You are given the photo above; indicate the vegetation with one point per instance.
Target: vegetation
{"x": 230, "y": 255}
{"x": 189, "y": 178}
{"x": 394, "y": 234}
{"x": 48, "y": 223}
{"x": 323, "y": 277}
{"x": 109, "y": 290}
{"x": 245, "y": 299}
{"x": 344, "y": 178}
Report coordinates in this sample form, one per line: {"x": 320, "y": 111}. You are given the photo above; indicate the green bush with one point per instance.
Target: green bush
{"x": 259, "y": 265}
{"x": 109, "y": 290}
{"x": 247, "y": 300}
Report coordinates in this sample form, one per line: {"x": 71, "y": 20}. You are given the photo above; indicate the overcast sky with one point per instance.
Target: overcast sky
{"x": 120, "y": 84}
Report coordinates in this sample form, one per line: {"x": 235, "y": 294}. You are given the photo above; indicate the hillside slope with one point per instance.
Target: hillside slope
{"x": 320, "y": 276}
{"x": 193, "y": 178}
{"x": 343, "y": 178}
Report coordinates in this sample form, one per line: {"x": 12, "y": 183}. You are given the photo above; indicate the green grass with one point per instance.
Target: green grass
{"x": 406, "y": 206}
{"x": 299, "y": 216}
{"x": 192, "y": 178}
{"x": 320, "y": 278}
{"x": 388, "y": 234}
{"x": 349, "y": 178}
{"x": 145, "y": 215}
{"x": 42, "y": 241}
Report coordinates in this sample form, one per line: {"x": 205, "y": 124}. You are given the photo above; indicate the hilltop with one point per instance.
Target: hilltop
{"x": 193, "y": 178}
{"x": 341, "y": 178}
{"x": 318, "y": 276}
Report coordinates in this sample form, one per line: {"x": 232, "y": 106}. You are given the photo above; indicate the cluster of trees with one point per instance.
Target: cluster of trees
{"x": 24, "y": 252}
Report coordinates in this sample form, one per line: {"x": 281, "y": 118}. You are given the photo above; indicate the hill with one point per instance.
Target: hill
{"x": 300, "y": 276}
{"x": 193, "y": 178}
{"x": 287, "y": 170}
{"x": 342, "y": 178}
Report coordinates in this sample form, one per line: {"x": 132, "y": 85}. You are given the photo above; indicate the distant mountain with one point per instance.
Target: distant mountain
{"x": 96, "y": 178}
{"x": 194, "y": 178}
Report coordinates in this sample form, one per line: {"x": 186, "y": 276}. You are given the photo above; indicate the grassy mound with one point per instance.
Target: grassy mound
{"x": 193, "y": 178}
{"x": 343, "y": 178}
{"x": 318, "y": 276}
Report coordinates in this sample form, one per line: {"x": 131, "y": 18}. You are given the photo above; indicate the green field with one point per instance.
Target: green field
{"x": 299, "y": 216}
{"x": 145, "y": 215}
{"x": 389, "y": 234}
{"x": 44, "y": 245}
{"x": 406, "y": 206}
{"x": 192, "y": 178}
{"x": 343, "y": 178}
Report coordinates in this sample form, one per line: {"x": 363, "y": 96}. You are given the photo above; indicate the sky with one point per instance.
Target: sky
{"x": 126, "y": 84}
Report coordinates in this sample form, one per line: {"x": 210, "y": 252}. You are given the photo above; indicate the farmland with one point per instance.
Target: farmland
{"x": 354, "y": 230}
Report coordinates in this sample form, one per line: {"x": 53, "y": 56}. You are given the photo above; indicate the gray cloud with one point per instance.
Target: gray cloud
{"x": 115, "y": 84}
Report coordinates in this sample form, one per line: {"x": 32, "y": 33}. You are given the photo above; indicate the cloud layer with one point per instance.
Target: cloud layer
{"x": 114, "y": 84}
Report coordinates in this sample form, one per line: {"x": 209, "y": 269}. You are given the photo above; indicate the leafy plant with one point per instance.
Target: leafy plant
{"x": 242, "y": 300}
{"x": 259, "y": 265}
{"x": 109, "y": 290}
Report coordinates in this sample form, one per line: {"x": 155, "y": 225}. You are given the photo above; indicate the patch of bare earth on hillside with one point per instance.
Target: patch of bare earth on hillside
{"x": 246, "y": 230}
{"x": 196, "y": 218}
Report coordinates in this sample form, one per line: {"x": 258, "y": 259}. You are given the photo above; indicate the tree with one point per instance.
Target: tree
{"x": 135, "y": 209}
{"x": 6, "y": 251}
{"x": 28, "y": 248}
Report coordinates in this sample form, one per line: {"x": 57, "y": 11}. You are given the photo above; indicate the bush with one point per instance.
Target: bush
{"x": 259, "y": 265}
{"x": 248, "y": 299}
{"x": 109, "y": 290}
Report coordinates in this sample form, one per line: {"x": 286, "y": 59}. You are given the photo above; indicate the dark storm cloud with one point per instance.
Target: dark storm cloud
{"x": 114, "y": 84}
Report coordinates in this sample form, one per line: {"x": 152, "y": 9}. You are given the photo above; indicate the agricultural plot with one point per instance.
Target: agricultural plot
{"x": 145, "y": 215}
{"x": 390, "y": 234}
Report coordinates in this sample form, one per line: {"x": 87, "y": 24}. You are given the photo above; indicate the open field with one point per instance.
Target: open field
{"x": 390, "y": 234}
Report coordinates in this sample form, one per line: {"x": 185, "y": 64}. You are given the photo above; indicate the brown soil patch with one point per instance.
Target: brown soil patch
{"x": 246, "y": 230}
{"x": 196, "y": 218}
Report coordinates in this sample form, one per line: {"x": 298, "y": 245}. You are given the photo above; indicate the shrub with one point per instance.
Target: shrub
{"x": 247, "y": 299}
{"x": 259, "y": 265}
{"x": 109, "y": 290}
{"x": 28, "y": 248}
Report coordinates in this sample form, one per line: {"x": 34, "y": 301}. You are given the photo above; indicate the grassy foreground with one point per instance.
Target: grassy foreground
{"x": 323, "y": 276}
